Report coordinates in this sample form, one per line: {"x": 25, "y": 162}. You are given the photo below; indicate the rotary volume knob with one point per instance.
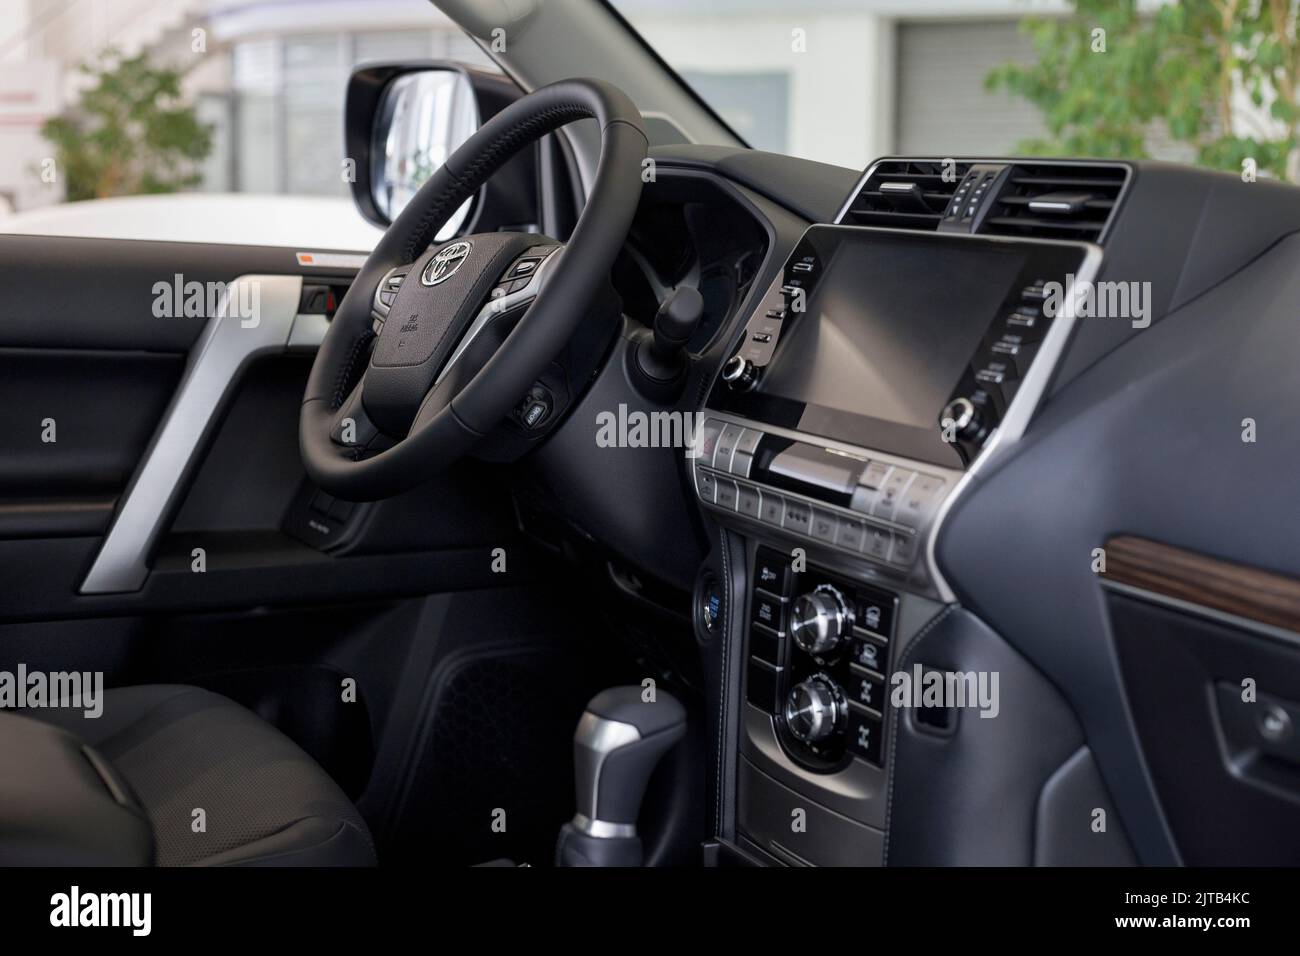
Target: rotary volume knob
{"x": 813, "y": 709}
{"x": 819, "y": 620}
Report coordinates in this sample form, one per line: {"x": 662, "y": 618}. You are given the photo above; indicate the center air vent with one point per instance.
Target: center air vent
{"x": 905, "y": 194}
{"x": 1057, "y": 201}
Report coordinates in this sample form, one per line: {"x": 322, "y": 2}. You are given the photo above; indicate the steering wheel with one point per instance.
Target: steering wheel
{"x": 383, "y": 411}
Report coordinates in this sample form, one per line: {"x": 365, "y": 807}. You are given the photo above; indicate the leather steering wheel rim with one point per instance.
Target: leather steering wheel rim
{"x": 440, "y": 436}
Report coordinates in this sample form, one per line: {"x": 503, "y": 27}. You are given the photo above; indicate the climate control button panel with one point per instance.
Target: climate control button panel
{"x": 818, "y": 660}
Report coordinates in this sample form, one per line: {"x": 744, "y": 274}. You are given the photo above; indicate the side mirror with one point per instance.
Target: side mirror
{"x": 402, "y": 122}
{"x": 423, "y": 118}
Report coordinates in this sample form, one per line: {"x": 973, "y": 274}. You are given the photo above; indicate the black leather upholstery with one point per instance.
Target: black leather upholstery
{"x": 62, "y": 805}
{"x": 180, "y": 749}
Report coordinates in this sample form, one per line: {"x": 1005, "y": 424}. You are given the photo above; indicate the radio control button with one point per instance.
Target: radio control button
{"x": 748, "y": 500}
{"x": 707, "y": 484}
{"x": 741, "y": 463}
{"x": 772, "y": 509}
{"x": 798, "y": 516}
{"x": 824, "y": 526}
{"x": 771, "y": 568}
{"x": 727, "y": 494}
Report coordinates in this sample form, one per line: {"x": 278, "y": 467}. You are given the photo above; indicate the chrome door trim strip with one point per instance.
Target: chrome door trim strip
{"x": 224, "y": 348}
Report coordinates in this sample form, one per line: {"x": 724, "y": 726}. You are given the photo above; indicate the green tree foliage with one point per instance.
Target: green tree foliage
{"x": 1106, "y": 73}
{"x": 129, "y": 134}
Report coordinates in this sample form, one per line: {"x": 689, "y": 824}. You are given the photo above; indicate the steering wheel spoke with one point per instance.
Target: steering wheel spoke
{"x": 351, "y": 427}
{"x": 464, "y": 329}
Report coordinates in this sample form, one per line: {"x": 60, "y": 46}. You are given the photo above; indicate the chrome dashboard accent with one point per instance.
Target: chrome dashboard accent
{"x": 497, "y": 306}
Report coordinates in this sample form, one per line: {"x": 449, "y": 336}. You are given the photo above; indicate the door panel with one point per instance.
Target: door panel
{"x": 176, "y": 434}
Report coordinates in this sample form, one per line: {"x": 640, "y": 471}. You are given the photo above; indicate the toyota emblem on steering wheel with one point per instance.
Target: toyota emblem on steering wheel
{"x": 444, "y": 265}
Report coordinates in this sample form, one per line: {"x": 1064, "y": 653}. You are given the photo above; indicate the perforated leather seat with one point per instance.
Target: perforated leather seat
{"x": 263, "y": 800}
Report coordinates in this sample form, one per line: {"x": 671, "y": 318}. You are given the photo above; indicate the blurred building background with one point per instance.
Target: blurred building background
{"x": 270, "y": 81}
{"x": 875, "y": 77}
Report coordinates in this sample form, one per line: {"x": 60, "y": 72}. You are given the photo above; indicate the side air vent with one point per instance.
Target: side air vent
{"x": 1051, "y": 201}
{"x": 905, "y": 194}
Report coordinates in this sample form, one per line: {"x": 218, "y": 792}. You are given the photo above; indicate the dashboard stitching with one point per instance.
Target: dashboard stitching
{"x": 898, "y": 716}
{"x": 725, "y": 682}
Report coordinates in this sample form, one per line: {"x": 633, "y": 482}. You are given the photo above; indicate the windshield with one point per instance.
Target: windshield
{"x": 848, "y": 81}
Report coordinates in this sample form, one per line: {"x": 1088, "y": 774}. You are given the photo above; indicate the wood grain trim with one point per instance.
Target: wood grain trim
{"x": 1236, "y": 589}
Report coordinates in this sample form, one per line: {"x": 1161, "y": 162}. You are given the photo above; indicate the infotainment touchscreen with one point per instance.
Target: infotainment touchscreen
{"x": 870, "y": 333}
{"x": 889, "y": 328}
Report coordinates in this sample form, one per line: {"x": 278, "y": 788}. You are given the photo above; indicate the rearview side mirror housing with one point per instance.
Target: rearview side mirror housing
{"x": 402, "y": 121}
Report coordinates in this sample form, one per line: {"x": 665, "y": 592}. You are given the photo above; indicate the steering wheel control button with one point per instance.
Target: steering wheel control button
{"x": 524, "y": 267}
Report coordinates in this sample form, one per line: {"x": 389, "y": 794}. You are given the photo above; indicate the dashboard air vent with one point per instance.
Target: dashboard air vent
{"x": 1057, "y": 201}
{"x": 905, "y": 194}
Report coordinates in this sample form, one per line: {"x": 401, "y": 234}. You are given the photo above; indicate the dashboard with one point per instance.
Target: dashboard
{"x": 929, "y": 395}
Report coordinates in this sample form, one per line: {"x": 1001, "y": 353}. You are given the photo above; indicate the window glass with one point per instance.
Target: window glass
{"x": 253, "y": 135}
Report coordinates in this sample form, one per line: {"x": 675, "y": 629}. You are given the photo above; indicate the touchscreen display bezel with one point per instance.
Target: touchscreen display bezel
{"x": 1042, "y": 261}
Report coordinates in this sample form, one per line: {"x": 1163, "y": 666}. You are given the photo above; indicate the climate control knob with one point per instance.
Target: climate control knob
{"x": 814, "y": 708}
{"x": 819, "y": 620}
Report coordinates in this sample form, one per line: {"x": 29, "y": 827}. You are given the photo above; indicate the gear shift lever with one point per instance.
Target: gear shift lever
{"x": 618, "y": 743}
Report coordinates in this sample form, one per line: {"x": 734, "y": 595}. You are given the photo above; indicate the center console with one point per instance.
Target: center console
{"x": 881, "y": 371}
